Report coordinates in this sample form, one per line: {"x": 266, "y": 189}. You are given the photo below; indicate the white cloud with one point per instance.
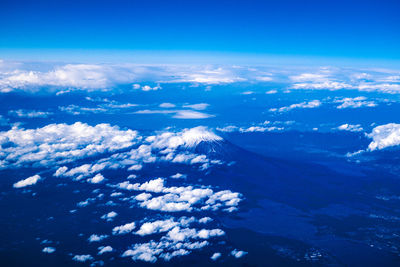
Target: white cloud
{"x": 144, "y": 252}
{"x": 309, "y": 104}
{"x": 238, "y": 253}
{"x": 98, "y": 178}
{"x": 27, "y": 182}
{"x": 191, "y": 114}
{"x": 200, "y": 106}
{"x": 177, "y": 114}
{"x": 105, "y": 249}
{"x": 251, "y": 129}
{"x": 61, "y": 143}
{"x": 351, "y": 127}
{"x": 186, "y": 138}
{"x": 179, "y": 176}
{"x": 167, "y": 105}
{"x": 216, "y": 256}
{"x": 206, "y": 75}
{"x": 23, "y": 113}
{"x": 205, "y": 220}
{"x": 176, "y": 242}
{"x": 143, "y": 197}
{"x": 247, "y": 93}
{"x": 356, "y": 102}
{"x": 97, "y": 238}
{"x": 66, "y": 78}
{"x": 82, "y": 258}
{"x": 109, "y": 216}
{"x": 82, "y": 76}
{"x": 384, "y": 136}
{"x": 146, "y": 87}
{"x": 176, "y": 199}
{"x": 270, "y": 92}
{"x": 123, "y": 229}
{"x": 48, "y": 250}
{"x": 159, "y": 226}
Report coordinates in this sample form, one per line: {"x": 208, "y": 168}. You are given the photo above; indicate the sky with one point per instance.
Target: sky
{"x": 367, "y": 30}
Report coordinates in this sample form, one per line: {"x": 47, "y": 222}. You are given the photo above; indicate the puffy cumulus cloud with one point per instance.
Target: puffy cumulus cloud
{"x": 144, "y": 252}
{"x": 104, "y": 249}
{"x": 48, "y": 250}
{"x": 23, "y": 113}
{"x": 178, "y": 234}
{"x": 164, "y": 146}
{"x": 109, "y": 216}
{"x": 356, "y": 102}
{"x": 97, "y": 238}
{"x": 146, "y": 88}
{"x": 384, "y": 136}
{"x": 83, "y": 258}
{"x": 159, "y": 226}
{"x": 309, "y": 104}
{"x": 124, "y": 229}
{"x": 351, "y": 127}
{"x": 215, "y": 256}
{"x": 178, "y": 240}
{"x": 27, "y": 182}
{"x": 205, "y": 220}
{"x": 98, "y": 178}
{"x": 238, "y": 253}
{"x": 60, "y": 143}
{"x": 175, "y": 199}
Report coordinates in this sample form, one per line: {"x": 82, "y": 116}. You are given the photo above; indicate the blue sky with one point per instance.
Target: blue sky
{"x": 334, "y": 29}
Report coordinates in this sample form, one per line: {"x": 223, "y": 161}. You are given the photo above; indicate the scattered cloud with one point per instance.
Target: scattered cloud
{"x": 98, "y": 178}
{"x": 61, "y": 143}
{"x": 83, "y": 258}
{"x": 351, "y": 127}
{"x": 200, "y": 106}
{"x": 97, "y": 238}
{"x": 146, "y": 88}
{"x": 309, "y": 104}
{"x": 216, "y": 256}
{"x": 238, "y": 253}
{"x": 356, "y": 102}
{"x": 23, "y": 113}
{"x": 124, "y": 229}
{"x": 109, "y": 216}
{"x": 27, "y": 182}
{"x": 105, "y": 249}
{"x": 384, "y": 136}
{"x": 48, "y": 250}
{"x": 271, "y": 92}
